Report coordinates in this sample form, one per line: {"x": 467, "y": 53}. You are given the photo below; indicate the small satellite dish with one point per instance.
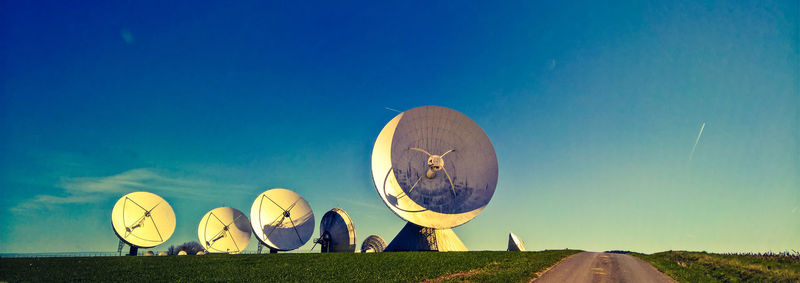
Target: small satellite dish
{"x": 149, "y": 253}
{"x": 514, "y": 243}
{"x": 224, "y": 230}
{"x": 182, "y": 253}
{"x": 142, "y": 220}
{"x": 435, "y": 168}
{"x": 336, "y": 232}
{"x": 281, "y": 220}
{"x": 373, "y": 244}
{"x": 200, "y": 253}
{"x": 162, "y": 253}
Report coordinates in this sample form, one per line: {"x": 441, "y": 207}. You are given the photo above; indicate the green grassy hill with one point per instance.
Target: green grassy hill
{"x": 706, "y": 267}
{"x": 384, "y": 267}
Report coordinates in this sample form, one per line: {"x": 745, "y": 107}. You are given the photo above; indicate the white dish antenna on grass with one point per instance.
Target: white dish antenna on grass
{"x": 142, "y": 220}
{"x": 336, "y": 232}
{"x": 437, "y": 169}
{"x": 373, "y": 244}
{"x": 281, "y": 220}
{"x": 224, "y": 230}
{"x": 514, "y": 243}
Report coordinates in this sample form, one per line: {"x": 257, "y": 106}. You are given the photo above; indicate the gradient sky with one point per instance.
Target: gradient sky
{"x": 593, "y": 109}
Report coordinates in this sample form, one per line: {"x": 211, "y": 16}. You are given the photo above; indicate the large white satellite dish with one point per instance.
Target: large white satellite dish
{"x": 142, "y": 220}
{"x": 514, "y": 243}
{"x": 224, "y": 230}
{"x": 435, "y": 168}
{"x": 336, "y": 232}
{"x": 281, "y": 220}
{"x": 373, "y": 244}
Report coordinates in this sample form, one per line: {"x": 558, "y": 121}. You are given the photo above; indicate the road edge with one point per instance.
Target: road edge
{"x": 540, "y": 273}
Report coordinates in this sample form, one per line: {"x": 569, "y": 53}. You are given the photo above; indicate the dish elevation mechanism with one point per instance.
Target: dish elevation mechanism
{"x": 437, "y": 169}
{"x": 373, "y": 244}
{"x": 281, "y": 220}
{"x": 336, "y": 232}
{"x": 224, "y": 230}
{"x": 142, "y": 220}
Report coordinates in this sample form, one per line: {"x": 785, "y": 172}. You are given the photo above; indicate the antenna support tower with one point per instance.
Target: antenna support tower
{"x": 262, "y": 245}
{"x": 417, "y": 238}
{"x": 132, "y": 252}
{"x": 120, "y": 246}
{"x": 324, "y": 242}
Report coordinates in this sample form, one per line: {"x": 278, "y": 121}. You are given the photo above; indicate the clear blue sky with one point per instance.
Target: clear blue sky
{"x": 593, "y": 109}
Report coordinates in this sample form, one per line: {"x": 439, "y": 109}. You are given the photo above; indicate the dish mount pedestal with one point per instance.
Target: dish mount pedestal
{"x": 417, "y": 238}
{"x": 261, "y": 246}
{"x": 133, "y": 251}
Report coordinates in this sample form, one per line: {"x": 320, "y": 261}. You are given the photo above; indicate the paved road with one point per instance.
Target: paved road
{"x": 603, "y": 267}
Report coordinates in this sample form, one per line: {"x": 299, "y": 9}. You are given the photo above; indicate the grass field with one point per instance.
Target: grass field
{"x": 705, "y": 267}
{"x": 384, "y": 267}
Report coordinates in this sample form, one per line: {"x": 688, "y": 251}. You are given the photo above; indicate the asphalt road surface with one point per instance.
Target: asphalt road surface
{"x": 603, "y": 267}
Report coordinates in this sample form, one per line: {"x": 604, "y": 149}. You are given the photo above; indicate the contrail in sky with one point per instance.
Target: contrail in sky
{"x": 390, "y": 109}
{"x": 697, "y": 141}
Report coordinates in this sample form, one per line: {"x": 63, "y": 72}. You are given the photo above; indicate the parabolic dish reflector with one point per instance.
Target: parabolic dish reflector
{"x": 373, "y": 244}
{"x": 434, "y": 166}
{"x": 337, "y": 232}
{"x": 514, "y": 243}
{"x": 281, "y": 219}
{"x": 224, "y": 230}
{"x": 143, "y": 219}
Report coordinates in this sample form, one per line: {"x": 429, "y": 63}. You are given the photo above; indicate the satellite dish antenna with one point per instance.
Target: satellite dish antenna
{"x": 142, "y": 220}
{"x": 514, "y": 243}
{"x": 437, "y": 169}
{"x": 373, "y": 244}
{"x": 224, "y": 230}
{"x": 281, "y": 220}
{"x": 336, "y": 232}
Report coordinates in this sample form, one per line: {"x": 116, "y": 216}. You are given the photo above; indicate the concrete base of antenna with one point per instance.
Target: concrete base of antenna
{"x": 417, "y": 238}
